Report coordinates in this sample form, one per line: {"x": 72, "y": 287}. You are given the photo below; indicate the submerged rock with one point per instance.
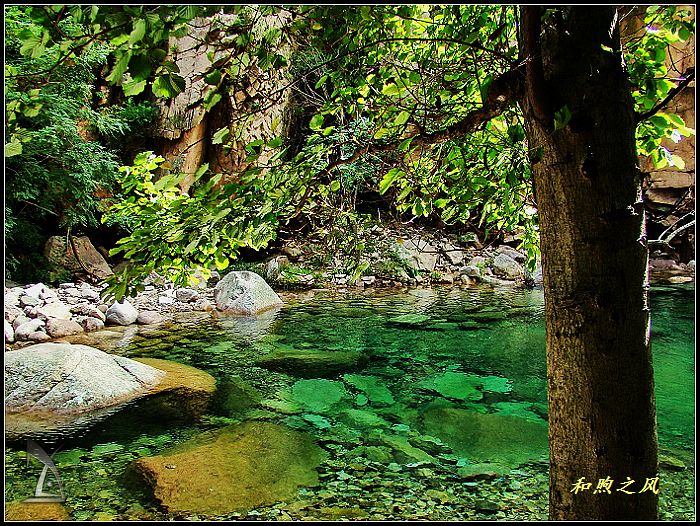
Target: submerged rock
{"x": 244, "y": 292}
{"x": 484, "y": 437}
{"x": 236, "y": 468}
{"x": 184, "y": 391}
{"x": 312, "y": 362}
{"x": 36, "y": 511}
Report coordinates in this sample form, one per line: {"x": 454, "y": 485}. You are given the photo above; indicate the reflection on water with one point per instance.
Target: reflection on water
{"x": 448, "y": 381}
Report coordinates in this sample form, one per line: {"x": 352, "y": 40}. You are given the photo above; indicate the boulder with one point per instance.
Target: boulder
{"x": 22, "y": 332}
{"x": 246, "y": 466}
{"x": 485, "y": 437}
{"x": 35, "y": 290}
{"x": 91, "y": 324}
{"x": 86, "y": 309}
{"x": 57, "y": 328}
{"x": 121, "y": 314}
{"x": 186, "y": 295}
{"x": 56, "y": 309}
{"x": 149, "y": 317}
{"x": 417, "y": 254}
{"x": 35, "y": 511}
{"x": 505, "y": 266}
{"x": 184, "y": 391}
{"x": 244, "y": 292}
{"x": 72, "y": 379}
{"x": 85, "y": 257}
{"x": 9, "y": 333}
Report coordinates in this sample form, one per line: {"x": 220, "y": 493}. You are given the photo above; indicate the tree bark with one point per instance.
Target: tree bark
{"x": 600, "y": 381}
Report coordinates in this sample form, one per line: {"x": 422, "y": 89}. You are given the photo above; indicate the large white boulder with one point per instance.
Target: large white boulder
{"x": 244, "y": 292}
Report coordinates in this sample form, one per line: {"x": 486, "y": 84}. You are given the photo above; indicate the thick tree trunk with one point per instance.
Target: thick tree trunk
{"x": 600, "y": 380}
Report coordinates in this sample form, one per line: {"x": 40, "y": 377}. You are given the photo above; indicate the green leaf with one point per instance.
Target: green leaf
{"x": 138, "y": 32}
{"x": 168, "y": 86}
{"x": 389, "y": 179}
{"x": 221, "y": 135}
{"x": 562, "y": 118}
{"x": 119, "y": 68}
{"x": 213, "y": 78}
{"x": 133, "y": 87}
{"x": 402, "y": 118}
{"x": 316, "y": 122}
{"x": 211, "y": 99}
{"x": 13, "y": 148}
{"x": 139, "y": 67}
{"x": 335, "y": 186}
{"x": 390, "y": 90}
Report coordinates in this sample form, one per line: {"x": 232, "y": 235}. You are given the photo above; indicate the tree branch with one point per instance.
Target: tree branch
{"x": 502, "y": 93}
{"x": 689, "y": 76}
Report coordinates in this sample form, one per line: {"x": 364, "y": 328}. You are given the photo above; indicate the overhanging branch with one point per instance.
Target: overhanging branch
{"x": 689, "y": 76}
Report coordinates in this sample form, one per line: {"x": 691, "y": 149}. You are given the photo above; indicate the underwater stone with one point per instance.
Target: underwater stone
{"x": 454, "y": 385}
{"x": 312, "y": 362}
{"x": 494, "y": 438}
{"x": 371, "y": 386}
{"x": 237, "y": 468}
{"x": 409, "y": 319}
{"x": 318, "y": 395}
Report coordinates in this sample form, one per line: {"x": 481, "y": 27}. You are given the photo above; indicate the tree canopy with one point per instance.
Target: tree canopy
{"x": 414, "y": 105}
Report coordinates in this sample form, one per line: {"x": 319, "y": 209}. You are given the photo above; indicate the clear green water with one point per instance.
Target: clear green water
{"x": 431, "y": 388}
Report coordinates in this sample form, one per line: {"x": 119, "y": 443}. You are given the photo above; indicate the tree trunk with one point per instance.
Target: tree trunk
{"x": 600, "y": 381}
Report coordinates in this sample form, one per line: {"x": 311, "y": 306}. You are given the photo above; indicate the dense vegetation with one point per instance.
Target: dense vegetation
{"x": 385, "y": 99}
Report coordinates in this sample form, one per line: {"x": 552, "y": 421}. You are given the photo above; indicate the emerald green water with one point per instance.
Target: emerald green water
{"x": 433, "y": 407}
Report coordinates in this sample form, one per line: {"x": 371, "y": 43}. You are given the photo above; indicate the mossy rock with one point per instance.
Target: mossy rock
{"x": 409, "y": 320}
{"x": 483, "y": 437}
{"x": 184, "y": 393}
{"x": 312, "y": 363}
{"x": 362, "y": 419}
{"x": 372, "y": 387}
{"x": 318, "y": 395}
{"x": 458, "y": 386}
{"x": 36, "y": 511}
{"x": 233, "y": 469}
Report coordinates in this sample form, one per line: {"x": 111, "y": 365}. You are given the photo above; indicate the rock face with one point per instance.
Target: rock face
{"x": 244, "y": 292}
{"x": 417, "y": 254}
{"x": 85, "y": 257}
{"x": 237, "y": 468}
{"x": 72, "y": 379}
{"x": 121, "y": 314}
{"x": 506, "y": 266}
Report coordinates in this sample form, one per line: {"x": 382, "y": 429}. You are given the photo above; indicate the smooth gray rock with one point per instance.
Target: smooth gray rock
{"x": 121, "y": 314}
{"x": 244, "y": 292}
{"x": 72, "y": 379}
{"x": 86, "y": 309}
{"x": 19, "y": 320}
{"x": 186, "y": 295}
{"x": 29, "y": 301}
{"x": 149, "y": 317}
{"x": 505, "y": 266}
{"x": 511, "y": 252}
{"x": 35, "y": 290}
{"x": 417, "y": 254}
{"x": 23, "y": 331}
{"x": 9, "y": 333}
